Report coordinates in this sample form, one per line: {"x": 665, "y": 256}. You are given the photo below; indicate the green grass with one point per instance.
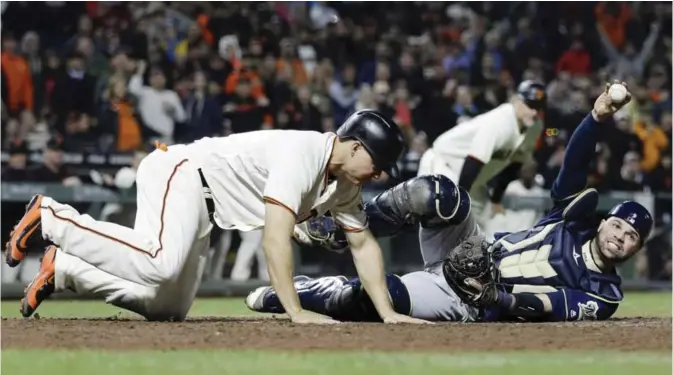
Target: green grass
{"x": 317, "y": 363}
{"x": 240, "y": 362}
{"x": 98, "y": 309}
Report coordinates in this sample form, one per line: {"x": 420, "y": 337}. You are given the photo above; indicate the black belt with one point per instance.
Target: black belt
{"x": 208, "y": 196}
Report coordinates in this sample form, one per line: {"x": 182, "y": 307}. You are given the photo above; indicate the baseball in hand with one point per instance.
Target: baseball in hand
{"x": 617, "y": 93}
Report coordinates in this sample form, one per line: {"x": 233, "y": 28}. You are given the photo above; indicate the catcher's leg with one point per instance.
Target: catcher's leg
{"x": 334, "y": 296}
{"x": 432, "y": 298}
{"x": 436, "y": 242}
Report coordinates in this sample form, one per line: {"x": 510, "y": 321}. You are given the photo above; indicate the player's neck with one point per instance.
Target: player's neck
{"x": 338, "y": 158}
{"x": 600, "y": 261}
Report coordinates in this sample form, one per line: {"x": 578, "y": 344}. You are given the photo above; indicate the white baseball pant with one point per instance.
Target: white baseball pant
{"x": 154, "y": 268}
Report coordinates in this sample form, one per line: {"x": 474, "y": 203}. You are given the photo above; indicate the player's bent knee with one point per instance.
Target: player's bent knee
{"x": 162, "y": 272}
{"x": 136, "y": 298}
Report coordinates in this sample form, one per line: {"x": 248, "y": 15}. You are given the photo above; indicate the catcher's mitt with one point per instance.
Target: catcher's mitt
{"x": 322, "y": 231}
{"x": 468, "y": 269}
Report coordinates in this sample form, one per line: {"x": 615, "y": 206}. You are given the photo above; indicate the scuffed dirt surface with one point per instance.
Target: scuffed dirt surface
{"x": 279, "y": 334}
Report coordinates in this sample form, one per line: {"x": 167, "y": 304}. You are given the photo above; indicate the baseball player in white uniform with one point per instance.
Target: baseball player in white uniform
{"x": 493, "y": 144}
{"x": 266, "y": 179}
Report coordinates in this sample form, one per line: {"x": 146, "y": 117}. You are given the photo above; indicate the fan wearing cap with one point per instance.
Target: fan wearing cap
{"x": 489, "y": 148}
{"x": 52, "y": 168}
{"x": 268, "y": 179}
{"x": 18, "y": 159}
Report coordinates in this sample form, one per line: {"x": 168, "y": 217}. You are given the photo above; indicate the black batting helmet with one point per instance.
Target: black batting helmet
{"x": 533, "y": 94}
{"x": 379, "y": 135}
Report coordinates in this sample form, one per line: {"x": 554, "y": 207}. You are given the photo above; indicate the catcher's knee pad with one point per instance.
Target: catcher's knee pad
{"x": 431, "y": 200}
{"x": 451, "y": 203}
{"x": 352, "y": 303}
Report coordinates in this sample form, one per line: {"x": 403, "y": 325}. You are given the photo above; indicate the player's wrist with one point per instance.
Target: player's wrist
{"x": 505, "y": 300}
{"x": 596, "y": 116}
{"x": 386, "y": 312}
{"x": 293, "y": 311}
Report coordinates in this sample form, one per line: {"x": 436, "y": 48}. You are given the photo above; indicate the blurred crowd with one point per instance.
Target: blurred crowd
{"x": 115, "y": 76}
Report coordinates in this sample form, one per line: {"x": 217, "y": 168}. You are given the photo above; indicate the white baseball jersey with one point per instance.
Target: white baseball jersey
{"x": 493, "y": 138}
{"x": 285, "y": 167}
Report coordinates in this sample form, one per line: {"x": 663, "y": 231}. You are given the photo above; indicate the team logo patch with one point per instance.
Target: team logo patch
{"x": 587, "y": 311}
{"x": 632, "y": 218}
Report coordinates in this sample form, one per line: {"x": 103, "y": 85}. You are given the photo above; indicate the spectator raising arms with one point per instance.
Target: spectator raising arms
{"x": 160, "y": 107}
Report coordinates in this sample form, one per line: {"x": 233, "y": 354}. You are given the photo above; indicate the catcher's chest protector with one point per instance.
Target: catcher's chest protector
{"x": 554, "y": 255}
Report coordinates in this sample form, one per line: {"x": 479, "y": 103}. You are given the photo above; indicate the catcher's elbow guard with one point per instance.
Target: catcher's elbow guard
{"x": 431, "y": 200}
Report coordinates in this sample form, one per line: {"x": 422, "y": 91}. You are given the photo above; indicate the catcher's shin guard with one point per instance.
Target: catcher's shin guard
{"x": 431, "y": 200}
{"x": 351, "y": 302}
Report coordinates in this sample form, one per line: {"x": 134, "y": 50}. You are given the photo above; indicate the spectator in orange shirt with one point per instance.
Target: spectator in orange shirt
{"x": 243, "y": 113}
{"x": 613, "y": 18}
{"x": 288, "y": 58}
{"x": 654, "y": 140}
{"x": 247, "y": 74}
{"x": 118, "y": 118}
{"x": 17, "y": 84}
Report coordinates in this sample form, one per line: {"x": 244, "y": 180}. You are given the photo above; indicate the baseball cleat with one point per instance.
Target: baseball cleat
{"x": 42, "y": 285}
{"x": 301, "y": 279}
{"x": 255, "y": 300}
{"x": 27, "y": 234}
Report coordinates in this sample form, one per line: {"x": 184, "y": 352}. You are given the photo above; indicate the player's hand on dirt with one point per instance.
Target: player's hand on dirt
{"x": 399, "y": 319}
{"x": 604, "y": 106}
{"x": 309, "y": 317}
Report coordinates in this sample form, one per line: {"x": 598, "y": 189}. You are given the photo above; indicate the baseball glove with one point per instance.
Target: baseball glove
{"x": 321, "y": 231}
{"x": 468, "y": 269}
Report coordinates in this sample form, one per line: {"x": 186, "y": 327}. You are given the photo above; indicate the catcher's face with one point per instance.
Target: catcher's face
{"x": 360, "y": 167}
{"x": 617, "y": 240}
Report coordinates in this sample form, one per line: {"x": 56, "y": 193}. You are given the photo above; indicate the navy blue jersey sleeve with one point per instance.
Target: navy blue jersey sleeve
{"x": 574, "y": 305}
{"x": 578, "y": 156}
{"x": 571, "y": 181}
{"x": 567, "y": 305}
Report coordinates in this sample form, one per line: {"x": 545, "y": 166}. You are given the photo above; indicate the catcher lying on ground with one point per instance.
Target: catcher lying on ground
{"x": 563, "y": 269}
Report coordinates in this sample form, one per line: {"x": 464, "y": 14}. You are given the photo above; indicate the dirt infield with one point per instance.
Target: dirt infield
{"x": 247, "y": 333}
